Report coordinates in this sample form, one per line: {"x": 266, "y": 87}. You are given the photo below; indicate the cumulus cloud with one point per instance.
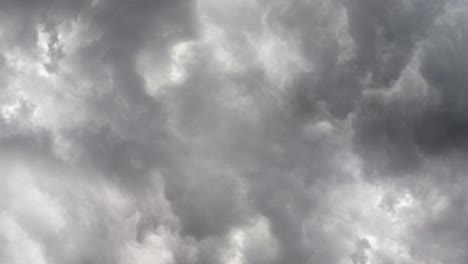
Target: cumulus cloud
{"x": 180, "y": 132}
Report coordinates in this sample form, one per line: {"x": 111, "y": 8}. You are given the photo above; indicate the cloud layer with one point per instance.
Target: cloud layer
{"x": 238, "y": 132}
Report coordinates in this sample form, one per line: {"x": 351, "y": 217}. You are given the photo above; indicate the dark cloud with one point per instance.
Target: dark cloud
{"x": 424, "y": 117}
{"x": 382, "y": 36}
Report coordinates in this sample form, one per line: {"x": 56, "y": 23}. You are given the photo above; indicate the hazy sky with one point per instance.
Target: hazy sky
{"x": 233, "y": 131}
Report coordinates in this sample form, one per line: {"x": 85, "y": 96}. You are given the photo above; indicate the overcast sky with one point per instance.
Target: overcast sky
{"x": 233, "y": 131}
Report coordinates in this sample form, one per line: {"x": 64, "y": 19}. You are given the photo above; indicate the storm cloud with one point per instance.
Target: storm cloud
{"x": 237, "y": 132}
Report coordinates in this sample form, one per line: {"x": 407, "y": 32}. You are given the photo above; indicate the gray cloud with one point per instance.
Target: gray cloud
{"x": 232, "y": 132}
{"x": 422, "y": 115}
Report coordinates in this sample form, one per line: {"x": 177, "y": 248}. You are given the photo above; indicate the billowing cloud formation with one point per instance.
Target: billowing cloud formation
{"x": 180, "y": 132}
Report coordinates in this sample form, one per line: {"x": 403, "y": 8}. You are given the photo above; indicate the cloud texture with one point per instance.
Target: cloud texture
{"x": 237, "y": 132}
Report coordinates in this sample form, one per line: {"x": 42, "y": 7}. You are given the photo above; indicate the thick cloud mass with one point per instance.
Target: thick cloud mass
{"x": 237, "y": 132}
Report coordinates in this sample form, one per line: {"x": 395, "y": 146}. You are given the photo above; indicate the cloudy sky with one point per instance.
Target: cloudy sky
{"x": 233, "y": 131}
